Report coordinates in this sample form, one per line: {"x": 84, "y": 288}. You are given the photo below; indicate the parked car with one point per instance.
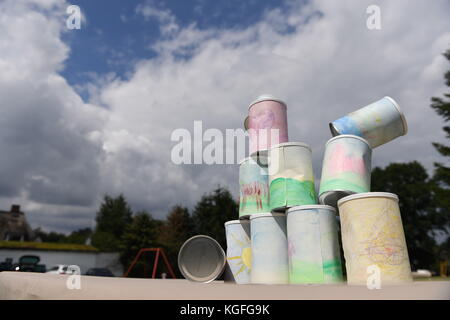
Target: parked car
{"x": 99, "y": 272}
{"x": 59, "y": 269}
{"x": 6, "y": 265}
{"x": 29, "y": 263}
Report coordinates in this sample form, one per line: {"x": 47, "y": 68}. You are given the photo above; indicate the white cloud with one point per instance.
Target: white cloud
{"x": 319, "y": 57}
{"x": 167, "y": 21}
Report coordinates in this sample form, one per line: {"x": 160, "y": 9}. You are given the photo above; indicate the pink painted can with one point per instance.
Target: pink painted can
{"x": 266, "y": 124}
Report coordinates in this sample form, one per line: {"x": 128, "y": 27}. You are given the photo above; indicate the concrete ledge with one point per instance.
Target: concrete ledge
{"x": 23, "y": 285}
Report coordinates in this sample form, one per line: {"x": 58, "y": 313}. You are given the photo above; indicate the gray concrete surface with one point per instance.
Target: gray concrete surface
{"x": 22, "y": 285}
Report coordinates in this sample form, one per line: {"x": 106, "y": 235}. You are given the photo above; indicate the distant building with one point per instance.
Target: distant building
{"x": 14, "y": 225}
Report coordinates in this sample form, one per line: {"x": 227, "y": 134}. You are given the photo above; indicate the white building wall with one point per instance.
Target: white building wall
{"x": 84, "y": 260}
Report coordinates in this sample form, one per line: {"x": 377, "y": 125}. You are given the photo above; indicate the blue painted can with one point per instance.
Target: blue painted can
{"x": 378, "y": 122}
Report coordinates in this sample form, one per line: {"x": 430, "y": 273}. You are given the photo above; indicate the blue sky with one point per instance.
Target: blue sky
{"x": 115, "y": 34}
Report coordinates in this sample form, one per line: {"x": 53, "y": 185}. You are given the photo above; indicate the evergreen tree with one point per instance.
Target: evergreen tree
{"x": 442, "y": 172}
{"x": 177, "y": 228}
{"x": 141, "y": 233}
{"x": 112, "y": 218}
{"x": 211, "y": 213}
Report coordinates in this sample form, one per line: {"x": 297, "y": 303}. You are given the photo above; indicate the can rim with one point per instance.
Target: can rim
{"x": 334, "y": 131}
{"x": 293, "y": 143}
{"x": 310, "y": 206}
{"x": 266, "y": 214}
{"x": 402, "y": 115}
{"x": 245, "y": 159}
{"x": 214, "y": 275}
{"x": 236, "y": 222}
{"x": 246, "y": 123}
{"x": 348, "y": 136}
{"x": 368, "y": 195}
{"x": 266, "y": 97}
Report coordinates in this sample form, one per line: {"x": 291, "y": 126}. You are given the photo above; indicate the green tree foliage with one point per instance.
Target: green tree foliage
{"x": 51, "y": 236}
{"x": 142, "y": 232}
{"x": 177, "y": 228}
{"x": 414, "y": 188}
{"x": 79, "y": 236}
{"x": 76, "y": 237}
{"x": 112, "y": 218}
{"x": 442, "y": 172}
{"x": 211, "y": 213}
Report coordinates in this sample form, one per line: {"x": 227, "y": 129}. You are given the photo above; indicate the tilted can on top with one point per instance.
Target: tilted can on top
{"x": 378, "y": 123}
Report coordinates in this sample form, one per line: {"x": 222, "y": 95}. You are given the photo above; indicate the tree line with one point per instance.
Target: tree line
{"x": 424, "y": 205}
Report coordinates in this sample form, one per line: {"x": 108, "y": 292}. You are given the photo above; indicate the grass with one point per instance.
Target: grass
{"x": 45, "y": 246}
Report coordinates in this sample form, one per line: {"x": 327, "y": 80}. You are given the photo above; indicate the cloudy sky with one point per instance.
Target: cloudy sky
{"x": 91, "y": 111}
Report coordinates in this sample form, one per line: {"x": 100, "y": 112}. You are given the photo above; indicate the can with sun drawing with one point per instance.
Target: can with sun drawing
{"x": 266, "y": 124}
{"x": 239, "y": 254}
{"x": 269, "y": 249}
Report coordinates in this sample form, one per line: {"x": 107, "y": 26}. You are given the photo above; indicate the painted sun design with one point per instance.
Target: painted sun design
{"x": 245, "y": 259}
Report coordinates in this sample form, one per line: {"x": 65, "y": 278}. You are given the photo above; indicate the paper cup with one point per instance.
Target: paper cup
{"x": 239, "y": 251}
{"x": 201, "y": 259}
{"x": 378, "y": 123}
{"x": 266, "y": 123}
{"x": 346, "y": 168}
{"x": 373, "y": 239}
{"x": 254, "y": 189}
{"x": 269, "y": 249}
{"x": 313, "y": 245}
{"x": 291, "y": 177}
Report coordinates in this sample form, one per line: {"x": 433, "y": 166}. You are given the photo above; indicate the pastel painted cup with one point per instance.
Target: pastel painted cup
{"x": 266, "y": 123}
{"x": 313, "y": 245}
{"x": 239, "y": 251}
{"x": 291, "y": 178}
{"x": 269, "y": 249}
{"x": 254, "y": 189}
{"x": 378, "y": 122}
{"x": 346, "y": 168}
{"x": 373, "y": 239}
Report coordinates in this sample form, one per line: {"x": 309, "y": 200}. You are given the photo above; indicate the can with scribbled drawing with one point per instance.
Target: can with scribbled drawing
{"x": 313, "y": 245}
{"x": 266, "y": 124}
{"x": 346, "y": 168}
{"x": 269, "y": 249}
{"x": 291, "y": 178}
{"x": 254, "y": 190}
{"x": 378, "y": 122}
{"x": 373, "y": 239}
{"x": 239, "y": 252}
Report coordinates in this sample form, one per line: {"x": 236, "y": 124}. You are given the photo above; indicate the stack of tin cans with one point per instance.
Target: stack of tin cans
{"x": 286, "y": 233}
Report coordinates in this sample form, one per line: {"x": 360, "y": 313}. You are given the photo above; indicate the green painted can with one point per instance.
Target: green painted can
{"x": 313, "y": 245}
{"x": 291, "y": 178}
{"x": 346, "y": 168}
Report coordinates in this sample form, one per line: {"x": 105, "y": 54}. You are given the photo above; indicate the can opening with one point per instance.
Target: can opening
{"x": 333, "y": 130}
